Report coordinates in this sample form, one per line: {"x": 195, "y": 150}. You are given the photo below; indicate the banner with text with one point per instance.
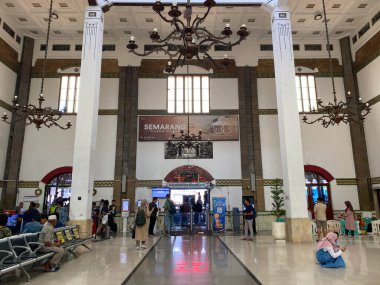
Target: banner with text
{"x": 213, "y": 128}
{"x": 219, "y": 209}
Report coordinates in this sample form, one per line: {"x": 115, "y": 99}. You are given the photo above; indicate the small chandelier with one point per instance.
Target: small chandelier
{"x": 189, "y": 33}
{"x": 37, "y": 115}
{"x": 337, "y": 112}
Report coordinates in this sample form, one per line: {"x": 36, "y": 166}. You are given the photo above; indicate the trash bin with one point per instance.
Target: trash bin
{"x": 236, "y": 219}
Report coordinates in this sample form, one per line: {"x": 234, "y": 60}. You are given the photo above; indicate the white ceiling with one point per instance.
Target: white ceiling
{"x": 28, "y": 17}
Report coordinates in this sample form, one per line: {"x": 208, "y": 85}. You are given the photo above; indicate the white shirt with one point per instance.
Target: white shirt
{"x": 331, "y": 251}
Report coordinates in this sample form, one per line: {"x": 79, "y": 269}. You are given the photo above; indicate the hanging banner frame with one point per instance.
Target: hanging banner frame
{"x": 219, "y": 210}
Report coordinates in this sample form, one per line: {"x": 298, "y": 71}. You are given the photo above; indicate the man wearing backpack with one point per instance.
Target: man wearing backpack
{"x": 170, "y": 210}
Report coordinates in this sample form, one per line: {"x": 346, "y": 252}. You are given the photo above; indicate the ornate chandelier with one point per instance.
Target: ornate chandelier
{"x": 337, "y": 112}
{"x": 196, "y": 41}
{"x": 37, "y": 114}
{"x": 186, "y": 139}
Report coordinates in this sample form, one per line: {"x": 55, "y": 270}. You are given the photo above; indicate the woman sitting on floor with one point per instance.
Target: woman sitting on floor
{"x": 328, "y": 254}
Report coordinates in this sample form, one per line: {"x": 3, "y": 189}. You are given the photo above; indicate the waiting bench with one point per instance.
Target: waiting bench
{"x": 19, "y": 252}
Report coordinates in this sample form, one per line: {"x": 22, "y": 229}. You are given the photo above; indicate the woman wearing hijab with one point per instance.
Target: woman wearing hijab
{"x": 141, "y": 234}
{"x": 328, "y": 254}
{"x": 349, "y": 217}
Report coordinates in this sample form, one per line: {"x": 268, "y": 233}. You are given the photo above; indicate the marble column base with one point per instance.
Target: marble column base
{"x": 85, "y": 226}
{"x": 298, "y": 230}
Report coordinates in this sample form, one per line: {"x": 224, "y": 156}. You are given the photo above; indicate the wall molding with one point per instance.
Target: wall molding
{"x": 219, "y": 182}
{"x": 5, "y": 105}
{"x": 374, "y": 100}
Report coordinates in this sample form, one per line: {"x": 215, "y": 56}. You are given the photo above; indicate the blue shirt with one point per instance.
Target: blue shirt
{"x": 249, "y": 209}
{"x": 32, "y": 227}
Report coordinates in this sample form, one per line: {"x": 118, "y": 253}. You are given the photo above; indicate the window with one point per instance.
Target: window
{"x": 68, "y": 97}
{"x": 188, "y": 94}
{"x": 318, "y": 186}
{"x": 306, "y": 93}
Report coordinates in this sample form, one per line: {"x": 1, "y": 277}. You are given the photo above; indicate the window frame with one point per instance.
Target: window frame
{"x": 190, "y": 108}
{"x": 309, "y": 100}
{"x": 76, "y": 94}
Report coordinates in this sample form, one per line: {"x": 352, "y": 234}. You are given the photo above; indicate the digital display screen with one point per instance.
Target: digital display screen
{"x": 125, "y": 205}
{"x": 160, "y": 192}
{"x": 12, "y": 221}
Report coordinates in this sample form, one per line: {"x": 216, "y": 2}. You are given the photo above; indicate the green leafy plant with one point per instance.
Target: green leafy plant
{"x": 278, "y": 200}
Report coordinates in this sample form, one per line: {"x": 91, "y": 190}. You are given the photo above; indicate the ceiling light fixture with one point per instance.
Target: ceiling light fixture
{"x": 337, "y": 112}
{"x": 32, "y": 114}
{"x": 318, "y": 16}
{"x": 195, "y": 41}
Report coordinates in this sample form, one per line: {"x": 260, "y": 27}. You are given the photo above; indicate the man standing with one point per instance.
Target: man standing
{"x": 170, "y": 210}
{"x": 320, "y": 217}
{"x": 153, "y": 217}
{"x": 47, "y": 239}
{"x": 249, "y": 215}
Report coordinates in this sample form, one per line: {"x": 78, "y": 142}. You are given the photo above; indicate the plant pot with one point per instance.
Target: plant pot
{"x": 278, "y": 230}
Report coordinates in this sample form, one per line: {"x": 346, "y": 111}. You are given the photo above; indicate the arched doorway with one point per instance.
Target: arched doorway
{"x": 317, "y": 182}
{"x": 57, "y": 185}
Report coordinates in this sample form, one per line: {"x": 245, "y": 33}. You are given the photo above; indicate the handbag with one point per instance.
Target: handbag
{"x": 134, "y": 232}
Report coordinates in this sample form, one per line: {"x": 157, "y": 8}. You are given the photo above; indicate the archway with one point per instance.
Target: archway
{"x": 317, "y": 182}
{"x": 189, "y": 173}
{"x": 57, "y": 185}
{"x": 189, "y": 189}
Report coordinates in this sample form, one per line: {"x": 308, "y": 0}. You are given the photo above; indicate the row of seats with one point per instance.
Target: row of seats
{"x": 376, "y": 227}
{"x": 337, "y": 226}
{"x": 22, "y": 251}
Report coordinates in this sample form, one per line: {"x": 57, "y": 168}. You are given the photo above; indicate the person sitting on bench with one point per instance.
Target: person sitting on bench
{"x": 50, "y": 244}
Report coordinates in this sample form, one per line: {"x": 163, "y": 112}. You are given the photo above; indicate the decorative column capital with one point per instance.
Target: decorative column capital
{"x": 93, "y": 32}
{"x": 282, "y": 33}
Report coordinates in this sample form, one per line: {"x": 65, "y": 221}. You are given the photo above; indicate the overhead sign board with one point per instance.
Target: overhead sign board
{"x": 213, "y": 128}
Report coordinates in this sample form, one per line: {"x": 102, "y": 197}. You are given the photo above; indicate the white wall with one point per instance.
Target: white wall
{"x": 369, "y": 87}
{"x": 152, "y": 165}
{"x": 223, "y": 93}
{"x": 48, "y": 149}
{"x": 150, "y": 155}
{"x": 7, "y": 83}
{"x": 329, "y": 148}
{"x": 152, "y": 94}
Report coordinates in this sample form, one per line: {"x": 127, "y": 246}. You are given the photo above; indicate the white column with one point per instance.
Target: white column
{"x": 288, "y": 119}
{"x": 87, "y": 118}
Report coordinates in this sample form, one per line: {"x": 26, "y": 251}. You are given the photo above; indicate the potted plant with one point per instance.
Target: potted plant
{"x": 278, "y": 227}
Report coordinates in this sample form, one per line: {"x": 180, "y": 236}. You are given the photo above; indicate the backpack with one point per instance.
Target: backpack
{"x": 172, "y": 209}
{"x": 53, "y": 210}
{"x": 140, "y": 218}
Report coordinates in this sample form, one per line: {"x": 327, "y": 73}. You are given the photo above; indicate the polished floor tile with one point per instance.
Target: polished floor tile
{"x": 289, "y": 263}
{"x": 109, "y": 262}
{"x": 185, "y": 260}
{"x": 202, "y": 260}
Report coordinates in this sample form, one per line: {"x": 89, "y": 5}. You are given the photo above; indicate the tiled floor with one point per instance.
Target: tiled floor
{"x": 110, "y": 262}
{"x": 293, "y": 264}
{"x": 201, "y": 260}
{"x": 186, "y": 260}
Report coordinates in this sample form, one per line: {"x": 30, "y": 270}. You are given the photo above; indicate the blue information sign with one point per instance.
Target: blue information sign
{"x": 219, "y": 208}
